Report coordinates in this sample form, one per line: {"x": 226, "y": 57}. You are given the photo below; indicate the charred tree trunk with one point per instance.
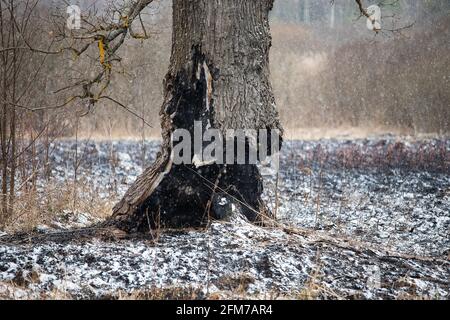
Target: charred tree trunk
{"x": 219, "y": 75}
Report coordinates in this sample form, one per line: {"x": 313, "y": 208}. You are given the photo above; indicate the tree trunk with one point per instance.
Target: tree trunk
{"x": 219, "y": 75}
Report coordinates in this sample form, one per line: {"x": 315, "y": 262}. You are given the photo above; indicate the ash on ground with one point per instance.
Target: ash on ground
{"x": 357, "y": 219}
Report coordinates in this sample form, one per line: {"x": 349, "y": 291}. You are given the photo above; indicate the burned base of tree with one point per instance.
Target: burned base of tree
{"x": 190, "y": 197}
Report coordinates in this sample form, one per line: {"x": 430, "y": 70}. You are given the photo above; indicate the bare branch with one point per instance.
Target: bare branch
{"x": 134, "y": 113}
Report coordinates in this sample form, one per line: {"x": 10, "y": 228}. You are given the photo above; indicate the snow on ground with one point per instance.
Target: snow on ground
{"x": 399, "y": 205}
{"x": 227, "y": 258}
{"x": 365, "y": 208}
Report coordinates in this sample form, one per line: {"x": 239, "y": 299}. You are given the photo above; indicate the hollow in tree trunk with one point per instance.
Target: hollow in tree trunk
{"x": 219, "y": 76}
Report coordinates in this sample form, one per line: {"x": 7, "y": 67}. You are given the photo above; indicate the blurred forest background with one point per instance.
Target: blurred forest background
{"x": 331, "y": 76}
{"x": 328, "y": 70}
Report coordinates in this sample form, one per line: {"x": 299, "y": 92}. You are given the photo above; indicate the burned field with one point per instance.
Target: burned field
{"x": 354, "y": 219}
{"x": 386, "y": 192}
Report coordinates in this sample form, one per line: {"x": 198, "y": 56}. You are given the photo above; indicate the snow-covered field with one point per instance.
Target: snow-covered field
{"x": 358, "y": 219}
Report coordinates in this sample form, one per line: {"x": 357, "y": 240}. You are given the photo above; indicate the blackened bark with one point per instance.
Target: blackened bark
{"x": 219, "y": 75}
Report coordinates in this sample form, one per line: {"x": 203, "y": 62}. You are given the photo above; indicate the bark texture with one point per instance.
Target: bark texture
{"x": 219, "y": 75}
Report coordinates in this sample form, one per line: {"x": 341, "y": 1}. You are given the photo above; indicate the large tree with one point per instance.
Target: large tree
{"x": 219, "y": 76}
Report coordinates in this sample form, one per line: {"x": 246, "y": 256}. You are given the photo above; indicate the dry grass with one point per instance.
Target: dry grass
{"x": 20, "y": 290}
{"x": 343, "y": 132}
{"x": 290, "y": 133}
{"x": 168, "y": 293}
{"x": 56, "y": 202}
{"x": 313, "y": 290}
